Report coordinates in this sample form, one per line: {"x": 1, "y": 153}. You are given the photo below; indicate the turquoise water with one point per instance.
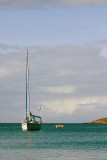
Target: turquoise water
{"x": 74, "y": 142}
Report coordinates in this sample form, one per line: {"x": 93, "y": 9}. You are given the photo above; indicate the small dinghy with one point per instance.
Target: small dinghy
{"x": 59, "y": 126}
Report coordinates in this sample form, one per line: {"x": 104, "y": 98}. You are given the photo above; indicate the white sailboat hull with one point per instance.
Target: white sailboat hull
{"x": 24, "y": 126}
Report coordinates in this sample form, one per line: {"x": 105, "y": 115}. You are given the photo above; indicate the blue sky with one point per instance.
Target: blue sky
{"x": 67, "y": 43}
{"x": 74, "y": 25}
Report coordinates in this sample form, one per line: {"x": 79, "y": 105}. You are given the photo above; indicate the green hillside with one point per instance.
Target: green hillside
{"x": 100, "y": 121}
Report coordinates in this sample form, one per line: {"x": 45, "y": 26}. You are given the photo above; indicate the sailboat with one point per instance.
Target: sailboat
{"x": 32, "y": 122}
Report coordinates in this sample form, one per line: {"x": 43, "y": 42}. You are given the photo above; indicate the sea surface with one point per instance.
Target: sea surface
{"x": 74, "y": 142}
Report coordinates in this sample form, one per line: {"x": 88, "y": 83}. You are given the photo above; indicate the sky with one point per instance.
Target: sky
{"x": 67, "y": 43}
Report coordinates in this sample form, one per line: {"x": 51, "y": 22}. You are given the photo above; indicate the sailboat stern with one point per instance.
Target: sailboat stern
{"x": 24, "y": 125}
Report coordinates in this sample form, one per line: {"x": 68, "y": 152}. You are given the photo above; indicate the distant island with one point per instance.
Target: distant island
{"x": 100, "y": 121}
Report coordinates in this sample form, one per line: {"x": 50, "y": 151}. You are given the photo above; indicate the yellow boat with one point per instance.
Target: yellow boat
{"x": 59, "y": 126}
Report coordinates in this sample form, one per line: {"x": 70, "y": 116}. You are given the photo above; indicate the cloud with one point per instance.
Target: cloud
{"x": 64, "y": 78}
{"x": 10, "y": 61}
{"x": 43, "y": 3}
{"x": 58, "y": 89}
{"x": 4, "y": 49}
{"x": 103, "y": 44}
{"x": 69, "y": 106}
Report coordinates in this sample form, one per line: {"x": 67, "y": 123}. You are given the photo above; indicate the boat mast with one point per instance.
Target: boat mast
{"x": 26, "y": 80}
{"x": 28, "y": 84}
